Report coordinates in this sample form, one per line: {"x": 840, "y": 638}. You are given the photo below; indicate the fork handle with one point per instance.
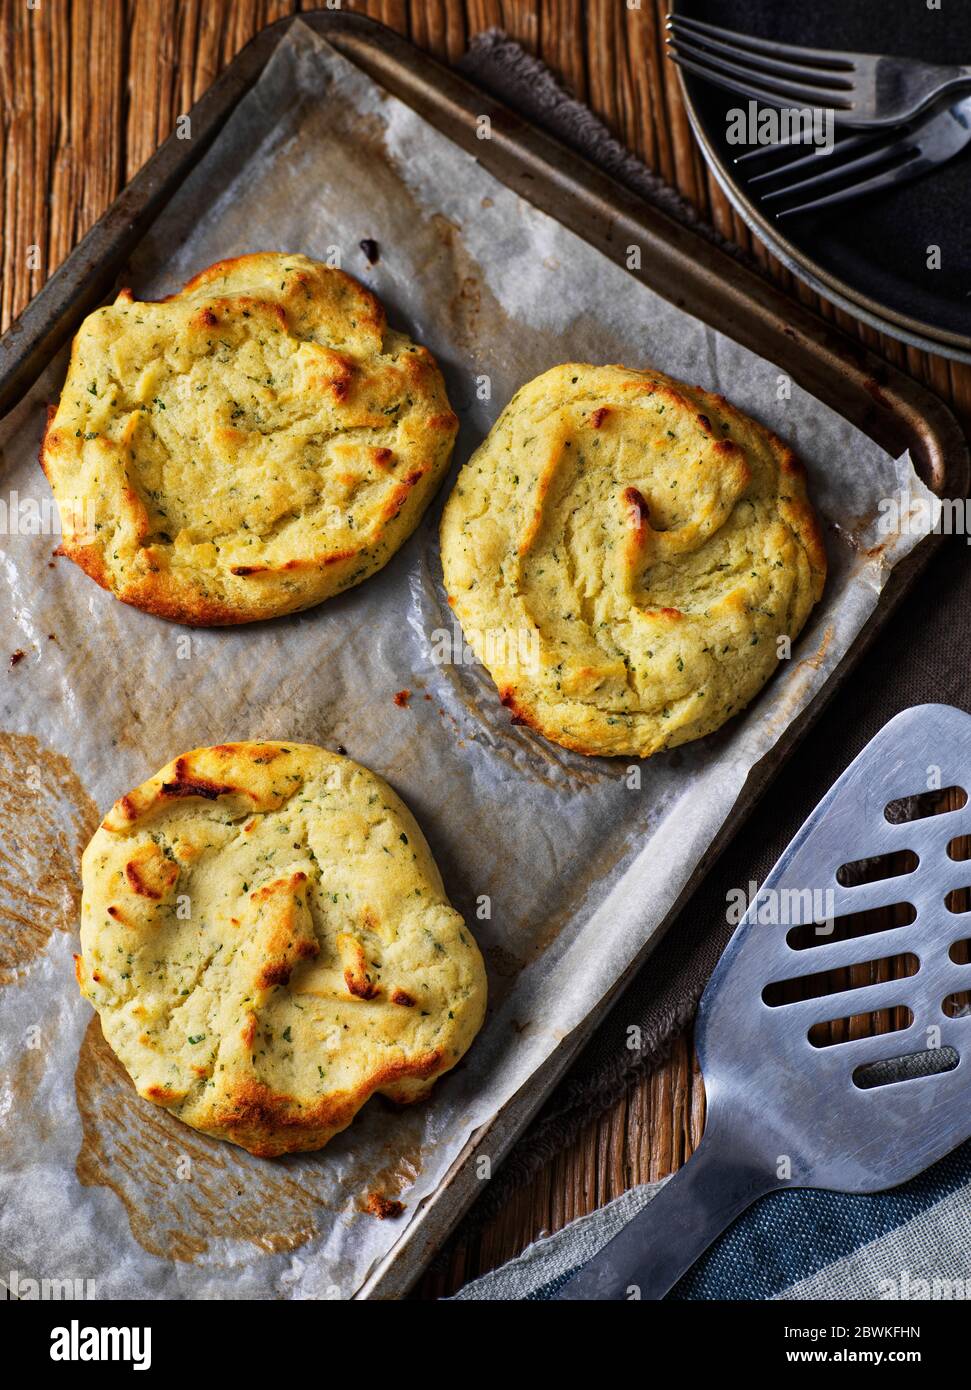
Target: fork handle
{"x": 648, "y": 1257}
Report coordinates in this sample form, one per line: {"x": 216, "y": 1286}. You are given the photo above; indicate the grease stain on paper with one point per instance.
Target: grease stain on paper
{"x": 183, "y": 1190}
{"x": 46, "y": 819}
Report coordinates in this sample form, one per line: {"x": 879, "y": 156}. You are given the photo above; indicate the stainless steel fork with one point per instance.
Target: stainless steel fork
{"x": 861, "y": 89}
{"x": 858, "y": 162}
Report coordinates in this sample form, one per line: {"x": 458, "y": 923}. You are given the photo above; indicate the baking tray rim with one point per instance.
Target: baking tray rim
{"x": 895, "y": 399}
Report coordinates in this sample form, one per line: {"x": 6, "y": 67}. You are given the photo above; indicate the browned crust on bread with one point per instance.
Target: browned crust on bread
{"x": 45, "y": 438}
{"x": 611, "y": 714}
{"x": 150, "y": 874}
{"x": 512, "y": 700}
{"x": 270, "y": 1124}
{"x": 286, "y": 948}
{"x": 523, "y": 715}
{"x": 164, "y": 1095}
{"x": 796, "y": 509}
{"x": 210, "y": 597}
{"x": 357, "y": 977}
{"x": 189, "y": 776}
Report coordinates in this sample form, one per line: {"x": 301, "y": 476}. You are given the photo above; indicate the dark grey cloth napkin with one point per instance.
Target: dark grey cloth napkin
{"x": 925, "y": 656}
{"x": 501, "y": 67}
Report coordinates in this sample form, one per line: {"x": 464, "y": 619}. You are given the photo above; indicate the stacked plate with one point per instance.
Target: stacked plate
{"x": 899, "y": 259}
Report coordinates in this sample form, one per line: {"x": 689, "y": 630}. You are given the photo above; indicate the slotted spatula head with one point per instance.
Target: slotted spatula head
{"x": 793, "y": 1101}
{"x": 863, "y": 1114}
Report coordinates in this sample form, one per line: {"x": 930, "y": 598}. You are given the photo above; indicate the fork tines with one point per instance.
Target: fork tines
{"x": 779, "y": 74}
{"x": 875, "y": 155}
{"x": 786, "y": 75}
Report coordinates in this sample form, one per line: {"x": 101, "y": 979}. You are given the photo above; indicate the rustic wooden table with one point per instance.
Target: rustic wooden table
{"x": 89, "y": 88}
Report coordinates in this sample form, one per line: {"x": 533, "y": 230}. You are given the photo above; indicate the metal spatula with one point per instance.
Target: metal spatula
{"x": 789, "y": 1104}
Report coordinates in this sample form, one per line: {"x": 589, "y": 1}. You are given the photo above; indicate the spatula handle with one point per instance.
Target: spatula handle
{"x": 648, "y": 1257}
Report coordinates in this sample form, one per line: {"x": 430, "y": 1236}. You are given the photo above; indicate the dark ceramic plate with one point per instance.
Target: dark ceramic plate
{"x": 869, "y": 255}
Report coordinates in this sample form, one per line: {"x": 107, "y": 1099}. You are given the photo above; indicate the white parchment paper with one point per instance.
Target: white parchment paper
{"x": 574, "y": 865}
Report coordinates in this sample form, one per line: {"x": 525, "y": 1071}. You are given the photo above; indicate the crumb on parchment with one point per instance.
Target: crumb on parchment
{"x": 382, "y": 1207}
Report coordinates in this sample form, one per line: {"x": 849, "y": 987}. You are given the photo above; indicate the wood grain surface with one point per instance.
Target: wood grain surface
{"x": 89, "y": 88}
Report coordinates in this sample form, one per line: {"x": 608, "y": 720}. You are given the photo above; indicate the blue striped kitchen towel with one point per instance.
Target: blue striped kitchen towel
{"x": 910, "y": 1243}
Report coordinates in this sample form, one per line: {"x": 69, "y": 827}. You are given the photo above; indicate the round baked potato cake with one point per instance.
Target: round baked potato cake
{"x": 266, "y": 938}
{"x": 624, "y": 553}
{"x": 247, "y": 447}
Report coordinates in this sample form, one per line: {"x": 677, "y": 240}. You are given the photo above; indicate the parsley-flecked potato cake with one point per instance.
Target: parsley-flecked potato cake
{"x": 250, "y": 446}
{"x": 267, "y": 940}
{"x": 624, "y": 554}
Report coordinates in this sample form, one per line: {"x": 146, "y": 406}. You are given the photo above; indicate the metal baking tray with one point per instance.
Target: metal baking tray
{"x": 892, "y": 409}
